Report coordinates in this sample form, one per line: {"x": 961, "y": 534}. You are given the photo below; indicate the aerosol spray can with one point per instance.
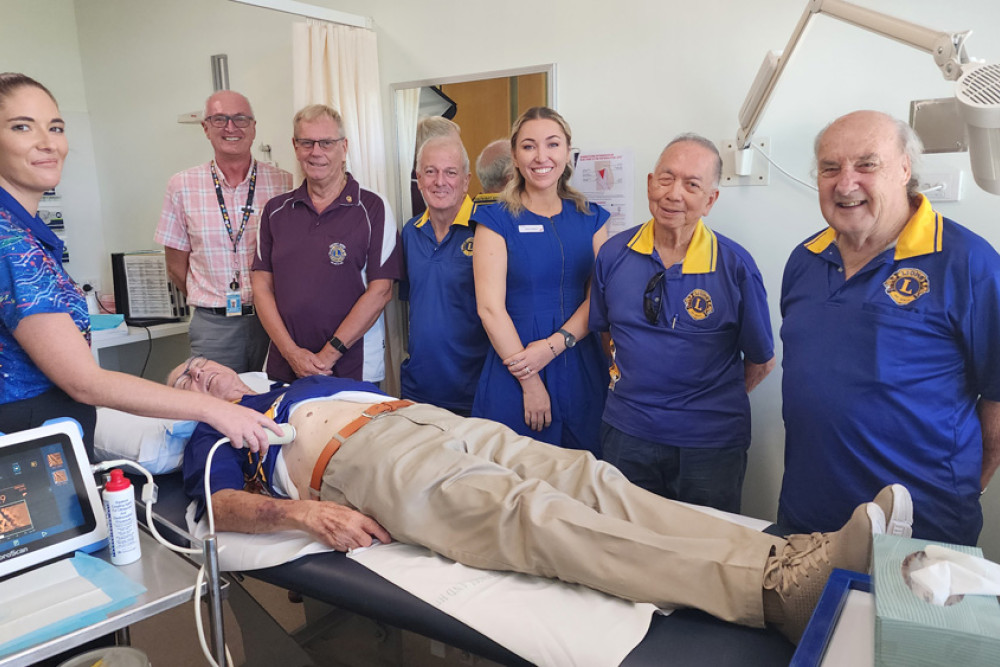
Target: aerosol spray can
{"x": 123, "y": 529}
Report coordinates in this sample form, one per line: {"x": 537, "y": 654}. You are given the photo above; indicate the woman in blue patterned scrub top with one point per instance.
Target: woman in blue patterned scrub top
{"x": 545, "y": 375}
{"x": 46, "y": 367}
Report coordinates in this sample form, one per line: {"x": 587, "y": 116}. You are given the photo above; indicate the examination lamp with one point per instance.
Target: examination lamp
{"x": 977, "y": 90}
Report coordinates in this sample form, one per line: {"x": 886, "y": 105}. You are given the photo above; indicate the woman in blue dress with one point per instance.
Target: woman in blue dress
{"x": 545, "y": 375}
{"x": 46, "y": 367}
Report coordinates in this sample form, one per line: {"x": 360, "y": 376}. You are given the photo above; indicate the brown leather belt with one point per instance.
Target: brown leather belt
{"x": 331, "y": 447}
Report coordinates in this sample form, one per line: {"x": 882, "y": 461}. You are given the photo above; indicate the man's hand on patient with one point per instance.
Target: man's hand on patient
{"x": 341, "y": 527}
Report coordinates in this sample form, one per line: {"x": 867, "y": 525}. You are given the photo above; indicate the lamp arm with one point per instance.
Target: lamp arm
{"x": 947, "y": 48}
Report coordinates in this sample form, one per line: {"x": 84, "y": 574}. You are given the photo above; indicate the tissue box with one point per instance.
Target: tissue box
{"x": 909, "y": 631}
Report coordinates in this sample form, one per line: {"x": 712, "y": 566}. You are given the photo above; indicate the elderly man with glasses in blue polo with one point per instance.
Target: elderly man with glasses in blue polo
{"x": 686, "y": 325}
{"x": 208, "y": 228}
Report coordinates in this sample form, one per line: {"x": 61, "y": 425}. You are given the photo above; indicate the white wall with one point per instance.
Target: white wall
{"x": 630, "y": 74}
{"x": 145, "y": 62}
{"x": 40, "y": 40}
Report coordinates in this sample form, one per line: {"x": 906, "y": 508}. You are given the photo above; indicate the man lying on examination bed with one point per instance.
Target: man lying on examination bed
{"x": 476, "y": 492}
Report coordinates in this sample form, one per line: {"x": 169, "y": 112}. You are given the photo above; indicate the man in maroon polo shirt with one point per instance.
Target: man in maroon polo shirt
{"x": 327, "y": 256}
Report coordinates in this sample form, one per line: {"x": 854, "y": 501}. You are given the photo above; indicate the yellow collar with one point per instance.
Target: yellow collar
{"x": 487, "y": 197}
{"x": 922, "y": 234}
{"x": 462, "y": 218}
{"x": 702, "y": 254}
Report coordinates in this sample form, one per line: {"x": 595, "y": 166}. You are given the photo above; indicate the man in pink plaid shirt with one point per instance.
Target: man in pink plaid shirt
{"x": 208, "y": 228}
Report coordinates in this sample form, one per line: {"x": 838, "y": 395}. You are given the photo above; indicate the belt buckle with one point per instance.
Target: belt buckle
{"x": 376, "y": 410}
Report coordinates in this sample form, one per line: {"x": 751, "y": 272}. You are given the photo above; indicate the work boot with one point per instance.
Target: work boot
{"x": 897, "y": 506}
{"x": 795, "y": 577}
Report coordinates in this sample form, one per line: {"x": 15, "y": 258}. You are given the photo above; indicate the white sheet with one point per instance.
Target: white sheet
{"x": 240, "y": 551}
{"x": 545, "y": 621}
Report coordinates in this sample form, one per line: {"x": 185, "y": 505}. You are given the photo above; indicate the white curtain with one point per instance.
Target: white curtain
{"x": 407, "y": 115}
{"x": 338, "y": 65}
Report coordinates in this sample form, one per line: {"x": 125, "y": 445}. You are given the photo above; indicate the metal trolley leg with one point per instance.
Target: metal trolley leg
{"x": 218, "y": 637}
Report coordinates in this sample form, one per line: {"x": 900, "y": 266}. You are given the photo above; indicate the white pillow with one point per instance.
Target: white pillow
{"x": 149, "y": 441}
{"x": 155, "y": 444}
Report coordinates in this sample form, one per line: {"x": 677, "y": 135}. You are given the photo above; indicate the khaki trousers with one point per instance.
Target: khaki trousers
{"x": 478, "y": 493}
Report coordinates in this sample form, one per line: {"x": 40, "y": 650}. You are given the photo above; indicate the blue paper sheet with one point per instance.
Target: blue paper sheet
{"x": 122, "y": 591}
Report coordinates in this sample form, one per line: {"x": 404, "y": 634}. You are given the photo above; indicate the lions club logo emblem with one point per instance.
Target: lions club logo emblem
{"x": 906, "y": 286}
{"x": 467, "y": 247}
{"x": 698, "y": 304}
{"x": 338, "y": 253}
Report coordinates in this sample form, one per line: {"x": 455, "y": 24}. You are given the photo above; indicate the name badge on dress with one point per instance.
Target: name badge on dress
{"x": 528, "y": 229}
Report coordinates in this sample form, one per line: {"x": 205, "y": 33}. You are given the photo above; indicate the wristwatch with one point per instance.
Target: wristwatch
{"x": 338, "y": 345}
{"x": 568, "y": 337}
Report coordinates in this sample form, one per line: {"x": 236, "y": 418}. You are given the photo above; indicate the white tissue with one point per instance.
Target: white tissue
{"x": 947, "y": 572}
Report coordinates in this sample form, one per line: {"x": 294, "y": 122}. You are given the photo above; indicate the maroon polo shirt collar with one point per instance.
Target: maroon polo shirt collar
{"x": 349, "y": 196}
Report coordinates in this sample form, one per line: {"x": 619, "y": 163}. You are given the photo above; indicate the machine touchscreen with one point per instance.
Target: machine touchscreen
{"x": 49, "y": 504}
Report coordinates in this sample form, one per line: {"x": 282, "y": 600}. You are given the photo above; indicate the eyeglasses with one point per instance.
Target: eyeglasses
{"x": 183, "y": 380}
{"x": 651, "y": 298}
{"x": 324, "y": 144}
{"x": 221, "y": 120}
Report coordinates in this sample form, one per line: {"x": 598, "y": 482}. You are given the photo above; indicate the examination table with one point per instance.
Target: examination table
{"x": 686, "y": 637}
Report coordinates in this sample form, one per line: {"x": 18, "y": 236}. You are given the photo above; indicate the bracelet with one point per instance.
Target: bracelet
{"x": 338, "y": 345}
{"x": 554, "y": 355}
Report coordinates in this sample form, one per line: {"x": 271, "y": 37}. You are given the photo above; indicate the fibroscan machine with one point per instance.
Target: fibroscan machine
{"x": 49, "y": 505}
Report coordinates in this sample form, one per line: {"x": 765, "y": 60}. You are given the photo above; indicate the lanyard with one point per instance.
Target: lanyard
{"x": 246, "y": 209}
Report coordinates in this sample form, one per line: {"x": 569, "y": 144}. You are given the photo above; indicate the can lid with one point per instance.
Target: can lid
{"x": 118, "y": 481}
{"x": 123, "y": 656}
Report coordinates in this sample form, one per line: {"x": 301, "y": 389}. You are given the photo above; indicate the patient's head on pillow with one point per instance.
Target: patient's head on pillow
{"x": 204, "y": 376}
{"x": 156, "y": 444}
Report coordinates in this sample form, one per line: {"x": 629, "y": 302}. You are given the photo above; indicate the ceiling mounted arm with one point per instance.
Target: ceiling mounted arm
{"x": 948, "y": 50}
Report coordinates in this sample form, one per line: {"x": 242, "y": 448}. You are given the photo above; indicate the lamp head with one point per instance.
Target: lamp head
{"x": 978, "y": 94}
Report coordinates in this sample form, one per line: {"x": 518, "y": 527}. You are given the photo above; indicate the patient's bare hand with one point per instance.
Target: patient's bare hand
{"x": 304, "y": 363}
{"x": 341, "y": 527}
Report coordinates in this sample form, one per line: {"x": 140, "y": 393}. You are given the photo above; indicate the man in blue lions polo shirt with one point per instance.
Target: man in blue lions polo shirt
{"x": 687, "y": 314}
{"x": 447, "y": 343}
{"x": 891, "y": 344}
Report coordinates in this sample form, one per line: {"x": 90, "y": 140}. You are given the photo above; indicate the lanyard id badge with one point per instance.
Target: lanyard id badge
{"x": 234, "y": 304}
{"x": 234, "y": 300}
